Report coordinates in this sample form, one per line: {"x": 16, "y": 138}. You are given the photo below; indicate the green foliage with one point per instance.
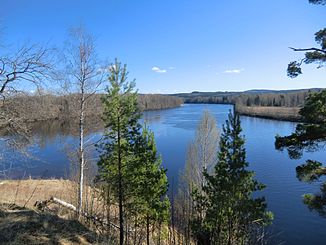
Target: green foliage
{"x": 317, "y": 1}
{"x": 294, "y": 69}
{"x": 317, "y": 202}
{"x": 314, "y": 110}
{"x": 150, "y": 182}
{"x": 312, "y": 55}
{"x": 306, "y": 137}
{"x": 310, "y": 171}
{"x": 129, "y": 164}
{"x": 121, "y": 130}
{"x": 121, "y": 117}
{"x": 226, "y": 210}
{"x": 309, "y": 136}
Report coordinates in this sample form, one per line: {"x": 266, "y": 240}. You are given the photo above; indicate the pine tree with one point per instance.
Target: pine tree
{"x": 122, "y": 129}
{"x": 151, "y": 183}
{"x": 226, "y": 210}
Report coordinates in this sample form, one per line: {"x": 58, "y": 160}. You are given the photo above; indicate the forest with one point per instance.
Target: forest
{"x": 280, "y": 105}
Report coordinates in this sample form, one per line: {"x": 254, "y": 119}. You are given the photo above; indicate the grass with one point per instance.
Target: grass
{"x": 279, "y": 113}
{"x": 26, "y": 192}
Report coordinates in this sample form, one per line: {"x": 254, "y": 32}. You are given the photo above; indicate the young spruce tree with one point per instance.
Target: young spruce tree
{"x": 230, "y": 211}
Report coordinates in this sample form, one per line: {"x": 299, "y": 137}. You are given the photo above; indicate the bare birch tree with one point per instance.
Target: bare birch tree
{"x": 201, "y": 154}
{"x": 84, "y": 78}
{"x": 27, "y": 68}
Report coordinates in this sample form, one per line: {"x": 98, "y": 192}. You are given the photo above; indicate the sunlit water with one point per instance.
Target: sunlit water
{"x": 174, "y": 129}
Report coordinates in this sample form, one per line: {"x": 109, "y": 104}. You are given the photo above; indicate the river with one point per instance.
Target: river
{"x": 294, "y": 223}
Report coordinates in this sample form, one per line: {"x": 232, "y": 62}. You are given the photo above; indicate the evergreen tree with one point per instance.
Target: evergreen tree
{"x": 309, "y": 136}
{"x": 151, "y": 183}
{"x": 315, "y": 55}
{"x": 122, "y": 129}
{"x": 226, "y": 210}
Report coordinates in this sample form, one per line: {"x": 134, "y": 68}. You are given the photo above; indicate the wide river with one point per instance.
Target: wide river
{"x": 293, "y": 224}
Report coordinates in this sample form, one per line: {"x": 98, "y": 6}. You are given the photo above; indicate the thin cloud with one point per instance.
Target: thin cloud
{"x": 234, "y": 71}
{"x": 158, "y": 70}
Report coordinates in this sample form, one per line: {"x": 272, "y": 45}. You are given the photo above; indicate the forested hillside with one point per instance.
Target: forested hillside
{"x": 45, "y": 107}
{"x": 286, "y": 98}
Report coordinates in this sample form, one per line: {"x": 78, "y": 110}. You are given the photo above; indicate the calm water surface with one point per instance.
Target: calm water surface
{"x": 174, "y": 128}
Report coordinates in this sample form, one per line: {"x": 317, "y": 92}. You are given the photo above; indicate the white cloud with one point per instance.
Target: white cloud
{"x": 234, "y": 71}
{"x": 171, "y": 67}
{"x": 158, "y": 70}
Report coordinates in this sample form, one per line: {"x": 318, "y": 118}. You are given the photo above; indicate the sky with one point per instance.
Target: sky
{"x": 173, "y": 46}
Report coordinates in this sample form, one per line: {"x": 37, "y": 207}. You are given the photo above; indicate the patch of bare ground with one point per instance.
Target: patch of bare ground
{"x": 20, "y": 225}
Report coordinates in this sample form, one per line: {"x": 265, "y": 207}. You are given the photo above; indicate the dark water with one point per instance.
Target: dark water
{"x": 174, "y": 128}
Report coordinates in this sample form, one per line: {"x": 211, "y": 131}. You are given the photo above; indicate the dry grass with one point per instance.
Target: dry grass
{"x": 21, "y": 223}
{"x": 279, "y": 113}
{"x": 26, "y": 192}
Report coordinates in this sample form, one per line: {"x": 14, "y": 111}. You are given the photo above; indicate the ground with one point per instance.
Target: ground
{"x": 22, "y": 223}
{"x": 25, "y": 226}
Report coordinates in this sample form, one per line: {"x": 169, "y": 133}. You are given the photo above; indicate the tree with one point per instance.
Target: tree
{"x": 201, "y": 155}
{"x": 151, "y": 183}
{"x": 121, "y": 117}
{"x": 29, "y": 65}
{"x": 82, "y": 76}
{"x": 310, "y": 134}
{"x": 230, "y": 211}
{"x": 313, "y": 55}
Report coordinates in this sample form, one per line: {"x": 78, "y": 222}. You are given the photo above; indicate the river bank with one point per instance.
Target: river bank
{"x": 277, "y": 113}
{"x": 40, "y": 108}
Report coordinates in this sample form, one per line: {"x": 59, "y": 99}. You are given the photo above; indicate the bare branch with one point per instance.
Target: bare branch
{"x": 308, "y": 49}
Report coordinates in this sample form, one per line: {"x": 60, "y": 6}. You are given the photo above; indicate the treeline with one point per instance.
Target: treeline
{"x": 288, "y": 98}
{"x": 49, "y": 106}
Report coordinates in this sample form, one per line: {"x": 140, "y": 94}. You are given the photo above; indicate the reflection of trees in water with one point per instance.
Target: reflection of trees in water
{"x": 47, "y": 131}
{"x": 16, "y": 160}
{"x": 151, "y": 117}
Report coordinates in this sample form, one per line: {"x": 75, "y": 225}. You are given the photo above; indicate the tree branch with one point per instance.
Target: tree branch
{"x": 308, "y": 49}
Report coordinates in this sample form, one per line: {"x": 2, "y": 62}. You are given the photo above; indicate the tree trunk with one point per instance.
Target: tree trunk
{"x": 147, "y": 229}
{"x": 121, "y": 223}
{"x": 81, "y": 154}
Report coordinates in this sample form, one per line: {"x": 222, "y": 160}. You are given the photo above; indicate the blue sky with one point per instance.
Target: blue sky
{"x": 185, "y": 45}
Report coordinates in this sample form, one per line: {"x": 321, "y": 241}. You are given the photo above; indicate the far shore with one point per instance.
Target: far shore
{"x": 276, "y": 113}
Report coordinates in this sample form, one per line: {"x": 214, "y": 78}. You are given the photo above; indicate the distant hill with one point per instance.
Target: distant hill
{"x": 253, "y": 97}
